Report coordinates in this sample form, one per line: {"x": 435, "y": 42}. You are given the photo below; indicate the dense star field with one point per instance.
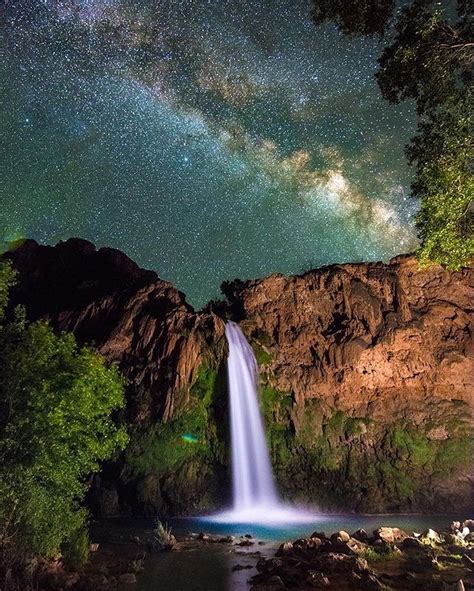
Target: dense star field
{"x": 207, "y": 139}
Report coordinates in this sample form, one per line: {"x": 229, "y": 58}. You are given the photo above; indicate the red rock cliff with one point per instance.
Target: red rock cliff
{"x": 367, "y": 373}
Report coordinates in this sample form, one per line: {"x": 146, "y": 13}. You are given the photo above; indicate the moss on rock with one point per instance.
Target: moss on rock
{"x": 178, "y": 463}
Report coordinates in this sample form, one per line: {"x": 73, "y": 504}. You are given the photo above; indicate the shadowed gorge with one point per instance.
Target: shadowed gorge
{"x": 366, "y": 379}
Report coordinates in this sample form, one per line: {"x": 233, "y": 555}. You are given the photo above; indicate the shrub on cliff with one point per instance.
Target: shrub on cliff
{"x": 56, "y": 400}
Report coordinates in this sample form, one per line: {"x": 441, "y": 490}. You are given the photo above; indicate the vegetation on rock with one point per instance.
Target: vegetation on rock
{"x": 184, "y": 453}
{"x": 341, "y": 461}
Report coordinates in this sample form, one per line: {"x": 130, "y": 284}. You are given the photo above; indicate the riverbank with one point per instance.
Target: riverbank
{"x": 375, "y": 554}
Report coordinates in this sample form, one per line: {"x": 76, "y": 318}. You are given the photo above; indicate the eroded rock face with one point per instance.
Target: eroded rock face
{"x": 162, "y": 346}
{"x": 130, "y": 315}
{"x": 369, "y": 338}
{"x": 376, "y": 360}
{"x": 367, "y": 376}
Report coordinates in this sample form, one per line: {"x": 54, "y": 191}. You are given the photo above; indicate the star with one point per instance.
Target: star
{"x": 208, "y": 140}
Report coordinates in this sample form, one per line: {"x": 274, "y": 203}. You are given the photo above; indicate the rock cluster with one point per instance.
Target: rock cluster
{"x": 387, "y": 559}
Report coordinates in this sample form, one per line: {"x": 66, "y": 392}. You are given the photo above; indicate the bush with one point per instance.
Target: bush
{"x": 56, "y": 401}
{"x": 162, "y": 537}
{"x": 75, "y": 551}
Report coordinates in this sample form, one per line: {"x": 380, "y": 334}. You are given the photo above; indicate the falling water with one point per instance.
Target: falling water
{"x": 255, "y": 498}
{"x": 252, "y": 477}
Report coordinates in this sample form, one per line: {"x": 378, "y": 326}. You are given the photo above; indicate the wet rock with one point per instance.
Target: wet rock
{"x": 340, "y": 536}
{"x": 269, "y": 565}
{"x": 241, "y": 567}
{"x": 455, "y": 526}
{"x": 227, "y": 540}
{"x": 361, "y": 565}
{"x": 320, "y": 535}
{"x": 411, "y": 544}
{"x": 332, "y": 562}
{"x": 246, "y": 542}
{"x": 454, "y": 539}
{"x": 352, "y": 547}
{"x": 430, "y": 536}
{"x": 285, "y": 549}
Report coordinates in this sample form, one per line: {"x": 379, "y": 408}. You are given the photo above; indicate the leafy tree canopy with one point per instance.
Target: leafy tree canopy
{"x": 428, "y": 58}
{"x": 56, "y": 401}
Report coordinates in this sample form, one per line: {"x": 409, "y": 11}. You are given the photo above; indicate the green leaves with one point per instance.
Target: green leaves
{"x": 428, "y": 60}
{"x": 56, "y": 402}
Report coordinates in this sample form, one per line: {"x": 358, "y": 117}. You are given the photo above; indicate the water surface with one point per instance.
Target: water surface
{"x": 208, "y": 567}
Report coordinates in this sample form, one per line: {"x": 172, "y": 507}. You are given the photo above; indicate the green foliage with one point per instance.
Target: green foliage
{"x": 382, "y": 555}
{"x": 56, "y": 401}
{"x": 7, "y": 279}
{"x": 274, "y": 407}
{"x": 190, "y": 434}
{"x": 262, "y": 356}
{"x": 428, "y": 59}
{"x": 161, "y": 535}
{"x": 165, "y": 446}
{"x": 75, "y": 551}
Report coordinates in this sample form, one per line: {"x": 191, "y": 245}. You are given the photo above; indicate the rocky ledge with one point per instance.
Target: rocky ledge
{"x": 366, "y": 378}
{"x": 387, "y": 559}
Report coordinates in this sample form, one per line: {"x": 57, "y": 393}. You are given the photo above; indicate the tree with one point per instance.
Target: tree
{"x": 56, "y": 400}
{"x": 428, "y": 59}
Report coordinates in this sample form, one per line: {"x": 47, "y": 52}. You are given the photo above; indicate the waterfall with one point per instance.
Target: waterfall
{"x": 252, "y": 477}
{"x": 255, "y": 498}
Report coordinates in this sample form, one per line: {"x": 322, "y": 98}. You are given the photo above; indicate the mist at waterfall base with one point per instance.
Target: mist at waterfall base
{"x": 255, "y": 497}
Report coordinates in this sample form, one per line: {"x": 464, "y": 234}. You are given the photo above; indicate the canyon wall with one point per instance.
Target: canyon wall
{"x": 366, "y": 378}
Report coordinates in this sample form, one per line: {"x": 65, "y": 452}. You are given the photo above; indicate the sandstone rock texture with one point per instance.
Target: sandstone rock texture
{"x": 372, "y": 339}
{"x": 130, "y": 315}
{"x": 367, "y": 376}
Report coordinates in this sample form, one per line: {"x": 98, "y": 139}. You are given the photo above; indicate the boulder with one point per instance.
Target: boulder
{"x": 390, "y": 534}
{"x": 411, "y": 544}
{"x": 285, "y": 549}
{"x": 431, "y": 537}
{"x": 340, "y": 536}
{"x": 361, "y": 536}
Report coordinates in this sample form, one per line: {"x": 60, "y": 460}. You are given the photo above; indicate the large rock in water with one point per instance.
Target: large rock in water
{"x": 367, "y": 376}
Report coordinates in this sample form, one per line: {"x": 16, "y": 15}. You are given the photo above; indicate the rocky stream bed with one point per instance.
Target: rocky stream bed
{"x": 387, "y": 558}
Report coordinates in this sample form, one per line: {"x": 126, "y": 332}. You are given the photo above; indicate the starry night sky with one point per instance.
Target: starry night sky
{"x": 207, "y": 139}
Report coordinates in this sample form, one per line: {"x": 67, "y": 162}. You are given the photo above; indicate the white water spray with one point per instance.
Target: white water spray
{"x": 252, "y": 478}
{"x": 255, "y": 498}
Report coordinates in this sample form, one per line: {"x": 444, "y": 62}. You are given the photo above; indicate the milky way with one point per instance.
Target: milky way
{"x": 208, "y": 140}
